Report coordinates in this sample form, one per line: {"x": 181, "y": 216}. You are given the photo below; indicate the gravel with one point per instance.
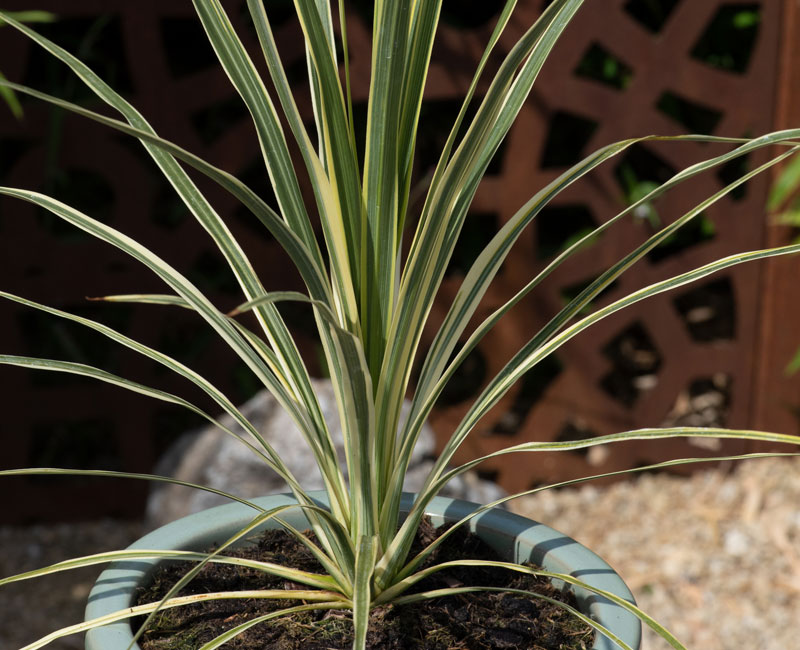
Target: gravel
{"x": 33, "y": 608}
{"x": 714, "y": 557}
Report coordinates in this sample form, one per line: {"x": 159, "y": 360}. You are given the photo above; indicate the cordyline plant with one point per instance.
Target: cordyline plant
{"x": 370, "y": 300}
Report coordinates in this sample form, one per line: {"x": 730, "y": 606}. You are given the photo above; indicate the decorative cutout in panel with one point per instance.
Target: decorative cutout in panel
{"x": 709, "y": 311}
{"x": 560, "y": 226}
{"x": 83, "y": 189}
{"x": 469, "y": 14}
{"x": 732, "y": 170}
{"x": 567, "y": 137}
{"x": 280, "y": 11}
{"x": 576, "y": 429}
{"x": 729, "y": 39}
{"x": 51, "y": 337}
{"x": 601, "y": 65}
{"x": 705, "y": 402}
{"x": 652, "y": 14}
{"x": 364, "y": 8}
{"x": 254, "y": 177}
{"x": 638, "y": 173}
{"x": 531, "y": 388}
{"x": 572, "y": 291}
{"x": 297, "y": 76}
{"x": 167, "y": 210}
{"x": 12, "y": 150}
{"x": 212, "y": 121}
{"x": 99, "y": 43}
{"x": 84, "y": 444}
{"x": 635, "y": 362}
{"x": 696, "y": 232}
{"x": 477, "y": 232}
{"x": 186, "y": 46}
{"x": 495, "y": 167}
{"x": 184, "y": 342}
{"x": 212, "y": 275}
{"x": 694, "y": 117}
{"x": 360, "y": 126}
{"x": 466, "y": 381}
{"x": 640, "y": 170}
{"x": 436, "y": 121}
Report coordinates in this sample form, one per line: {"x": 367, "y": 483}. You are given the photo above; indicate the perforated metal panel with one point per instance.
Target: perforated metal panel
{"x": 623, "y": 69}
{"x": 627, "y": 69}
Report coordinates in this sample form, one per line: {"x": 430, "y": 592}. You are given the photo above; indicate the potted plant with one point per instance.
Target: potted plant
{"x": 370, "y": 299}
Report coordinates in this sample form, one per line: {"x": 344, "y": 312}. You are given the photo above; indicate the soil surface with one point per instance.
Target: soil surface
{"x": 477, "y": 621}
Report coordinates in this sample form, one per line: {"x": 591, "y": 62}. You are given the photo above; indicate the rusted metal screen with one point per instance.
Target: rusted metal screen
{"x": 624, "y": 68}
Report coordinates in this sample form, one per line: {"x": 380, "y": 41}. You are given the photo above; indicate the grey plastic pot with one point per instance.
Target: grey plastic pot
{"x": 513, "y": 537}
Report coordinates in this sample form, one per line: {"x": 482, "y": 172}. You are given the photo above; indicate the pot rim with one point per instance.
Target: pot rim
{"x": 509, "y": 534}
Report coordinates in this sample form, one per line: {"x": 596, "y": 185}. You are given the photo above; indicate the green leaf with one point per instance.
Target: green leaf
{"x": 787, "y": 183}
{"x": 424, "y": 21}
{"x": 343, "y": 223}
{"x": 362, "y": 589}
{"x": 794, "y": 364}
{"x": 165, "y": 361}
{"x": 446, "y": 206}
{"x": 281, "y": 296}
{"x": 57, "y": 471}
{"x": 32, "y": 16}
{"x": 488, "y": 263}
{"x": 245, "y": 79}
{"x": 224, "y": 327}
{"x": 318, "y": 581}
{"x": 145, "y": 299}
{"x": 381, "y": 172}
{"x": 525, "y": 359}
{"x": 530, "y": 354}
{"x": 10, "y": 99}
{"x": 332, "y": 224}
{"x": 274, "y": 327}
{"x": 102, "y": 375}
{"x": 310, "y": 269}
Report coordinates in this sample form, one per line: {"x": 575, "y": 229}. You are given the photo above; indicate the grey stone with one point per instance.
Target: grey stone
{"x": 212, "y": 458}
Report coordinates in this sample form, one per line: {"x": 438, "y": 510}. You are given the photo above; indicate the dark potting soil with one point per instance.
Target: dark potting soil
{"x": 476, "y": 621}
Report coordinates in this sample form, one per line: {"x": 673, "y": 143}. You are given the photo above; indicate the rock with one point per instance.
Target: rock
{"x": 212, "y": 458}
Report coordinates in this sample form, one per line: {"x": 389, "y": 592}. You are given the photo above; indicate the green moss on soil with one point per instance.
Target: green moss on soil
{"x": 482, "y": 621}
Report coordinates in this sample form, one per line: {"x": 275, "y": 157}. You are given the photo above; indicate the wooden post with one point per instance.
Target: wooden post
{"x": 777, "y": 399}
